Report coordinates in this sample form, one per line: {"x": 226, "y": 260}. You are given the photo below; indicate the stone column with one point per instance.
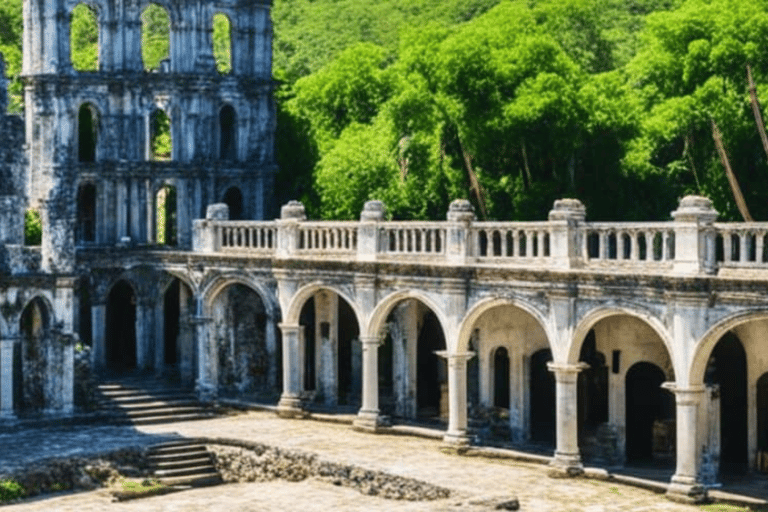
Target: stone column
{"x": 270, "y": 340}
{"x": 290, "y": 401}
{"x": 207, "y": 364}
{"x": 567, "y": 460}
{"x": 98, "y": 327}
{"x": 159, "y": 337}
{"x": 144, "y": 333}
{"x": 685, "y": 485}
{"x": 368, "y": 416}
{"x": 6, "y": 378}
{"x": 694, "y": 236}
{"x": 457, "y": 396}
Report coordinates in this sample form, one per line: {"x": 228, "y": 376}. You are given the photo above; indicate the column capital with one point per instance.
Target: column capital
{"x": 370, "y": 340}
{"x": 455, "y": 357}
{"x": 688, "y": 395}
{"x": 566, "y": 370}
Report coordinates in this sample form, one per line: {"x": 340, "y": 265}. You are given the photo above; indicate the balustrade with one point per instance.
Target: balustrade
{"x": 702, "y": 246}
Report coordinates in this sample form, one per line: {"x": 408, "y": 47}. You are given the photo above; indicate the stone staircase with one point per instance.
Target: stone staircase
{"x": 185, "y": 463}
{"x": 148, "y": 402}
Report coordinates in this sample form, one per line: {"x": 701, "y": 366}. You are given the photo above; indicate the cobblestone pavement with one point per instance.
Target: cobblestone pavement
{"x": 477, "y": 482}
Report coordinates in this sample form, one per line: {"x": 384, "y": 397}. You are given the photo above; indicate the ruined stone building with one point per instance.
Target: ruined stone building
{"x": 610, "y": 342}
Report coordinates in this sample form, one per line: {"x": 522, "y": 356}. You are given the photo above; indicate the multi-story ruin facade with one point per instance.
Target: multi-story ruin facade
{"x": 616, "y": 342}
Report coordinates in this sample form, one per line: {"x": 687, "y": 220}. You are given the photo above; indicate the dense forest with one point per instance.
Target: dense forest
{"x": 511, "y": 104}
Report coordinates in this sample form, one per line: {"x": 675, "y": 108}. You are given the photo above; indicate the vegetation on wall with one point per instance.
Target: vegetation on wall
{"x": 510, "y": 103}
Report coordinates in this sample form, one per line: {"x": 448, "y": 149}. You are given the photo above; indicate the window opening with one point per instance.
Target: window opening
{"x": 166, "y": 216}
{"x": 227, "y": 134}
{"x": 234, "y": 200}
{"x": 222, "y": 43}
{"x": 161, "y": 141}
{"x": 84, "y": 38}
{"x": 155, "y": 36}
{"x": 86, "y": 213}
{"x": 87, "y": 133}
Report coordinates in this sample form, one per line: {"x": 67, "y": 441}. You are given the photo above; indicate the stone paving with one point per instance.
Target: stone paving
{"x": 477, "y": 483}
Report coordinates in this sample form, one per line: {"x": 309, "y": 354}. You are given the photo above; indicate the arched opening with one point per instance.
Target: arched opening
{"x": 179, "y": 351}
{"x": 155, "y": 37}
{"x": 84, "y": 38}
{"x": 160, "y": 137}
{"x": 87, "y": 133}
{"x": 542, "y": 399}
{"x": 413, "y": 379}
{"x": 227, "y": 133}
{"x": 592, "y": 390}
{"x": 432, "y": 376}
{"x": 165, "y": 207}
{"x": 727, "y": 368}
{"x": 86, "y": 213}
{"x": 233, "y": 198}
{"x": 647, "y": 405}
{"x": 120, "y": 333}
{"x": 31, "y": 358}
{"x": 222, "y": 43}
{"x": 332, "y": 351}
{"x": 501, "y": 378}
{"x": 246, "y": 345}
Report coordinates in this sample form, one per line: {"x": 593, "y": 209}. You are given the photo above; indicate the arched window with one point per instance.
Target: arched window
{"x": 84, "y": 38}
{"x": 87, "y": 133}
{"x": 222, "y": 43}
{"x": 227, "y": 133}
{"x": 161, "y": 141}
{"x": 234, "y": 199}
{"x": 165, "y": 205}
{"x": 86, "y": 213}
{"x": 155, "y": 36}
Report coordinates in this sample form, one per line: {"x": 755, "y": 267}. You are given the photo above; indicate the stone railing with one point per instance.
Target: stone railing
{"x": 693, "y": 243}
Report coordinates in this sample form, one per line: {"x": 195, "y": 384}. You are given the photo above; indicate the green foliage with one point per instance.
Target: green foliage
{"x": 33, "y": 228}
{"x": 162, "y": 143}
{"x": 84, "y": 38}
{"x": 222, "y": 43}
{"x": 155, "y": 36}
{"x": 11, "y": 24}
{"x": 10, "y": 490}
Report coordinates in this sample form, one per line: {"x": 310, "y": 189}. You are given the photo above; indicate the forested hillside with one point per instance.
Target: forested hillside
{"x": 511, "y": 104}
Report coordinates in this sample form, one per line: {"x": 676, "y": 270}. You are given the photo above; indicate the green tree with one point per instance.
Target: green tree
{"x": 84, "y": 38}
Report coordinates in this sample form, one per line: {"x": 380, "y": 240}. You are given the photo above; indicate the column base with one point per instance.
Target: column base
{"x": 205, "y": 392}
{"x": 683, "y": 489}
{"x": 456, "y": 442}
{"x": 368, "y": 421}
{"x": 565, "y": 465}
{"x": 290, "y": 407}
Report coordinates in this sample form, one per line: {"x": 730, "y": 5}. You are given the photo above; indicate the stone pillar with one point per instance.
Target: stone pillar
{"x": 98, "y": 338}
{"x": 291, "y": 214}
{"x": 567, "y": 460}
{"x": 685, "y": 485}
{"x": 204, "y": 236}
{"x": 6, "y": 378}
{"x": 270, "y": 336}
{"x": 457, "y": 396}
{"x": 694, "y": 236}
{"x": 290, "y": 401}
{"x": 207, "y": 363}
{"x": 67, "y": 401}
{"x": 144, "y": 333}
{"x": 458, "y": 246}
{"x": 368, "y": 230}
{"x": 368, "y": 416}
{"x": 565, "y": 243}
{"x": 159, "y": 337}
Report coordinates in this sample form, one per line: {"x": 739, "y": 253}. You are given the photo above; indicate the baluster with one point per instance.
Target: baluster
{"x": 727, "y": 254}
{"x": 759, "y": 245}
{"x": 603, "y": 245}
{"x": 744, "y": 253}
{"x": 619, "y": 245}
{"x": 635, "y": 255}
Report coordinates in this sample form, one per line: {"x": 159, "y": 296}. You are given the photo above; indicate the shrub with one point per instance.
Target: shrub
{"x": 10, "y": 490}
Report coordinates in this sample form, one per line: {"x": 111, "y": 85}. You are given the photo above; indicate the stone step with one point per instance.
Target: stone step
{"x": 193, "y": 480}
{"x": 163, "y": 411}
{"x": 182, "y": 463}
{"x": 178, "y": 449}
{"x": 156, "y": 404}
{"x": 157, "y": 420}
{"x": 205, "y": 469}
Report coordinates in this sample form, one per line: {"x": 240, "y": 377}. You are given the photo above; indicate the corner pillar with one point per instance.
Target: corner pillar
{"x": 98, "y": 336}
{"x": 368, "y": 417}
{"x": 685, "y": 485}
{"x": 567, "y": 459}
{"x": 290, "y": 401}
{"x": 206, "y": 386}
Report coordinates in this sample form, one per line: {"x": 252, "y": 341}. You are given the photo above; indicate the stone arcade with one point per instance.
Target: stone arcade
{"x": 616, "y": 342}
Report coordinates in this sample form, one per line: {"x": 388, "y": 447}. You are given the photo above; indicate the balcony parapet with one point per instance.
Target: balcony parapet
{"x": 691, "y": 244}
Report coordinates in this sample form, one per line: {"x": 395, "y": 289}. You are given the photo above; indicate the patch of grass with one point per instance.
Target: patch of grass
{"x": 134, "y": 489}
{"x": 722, "y": 507}
{"x": 10, "y": 490}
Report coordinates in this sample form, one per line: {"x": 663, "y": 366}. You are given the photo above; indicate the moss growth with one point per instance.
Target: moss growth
{"x": 10, "y": 490}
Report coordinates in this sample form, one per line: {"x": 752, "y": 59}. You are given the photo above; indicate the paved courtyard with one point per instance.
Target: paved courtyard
{"x": 477, "y": 483}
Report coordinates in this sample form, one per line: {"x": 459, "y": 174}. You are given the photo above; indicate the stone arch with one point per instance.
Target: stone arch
{"x": 706, "y": 344}
{"x": 599, "y": 313}
{"x": 296, "y": 303}
{"x": 378, "y": 318}
{"x": 218, "y": 283}
{"x": 34, "y": 355}
{"x": 477, "y": 311}
{"x": 120, "y": 326}
{"x": 151, "y": 61}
